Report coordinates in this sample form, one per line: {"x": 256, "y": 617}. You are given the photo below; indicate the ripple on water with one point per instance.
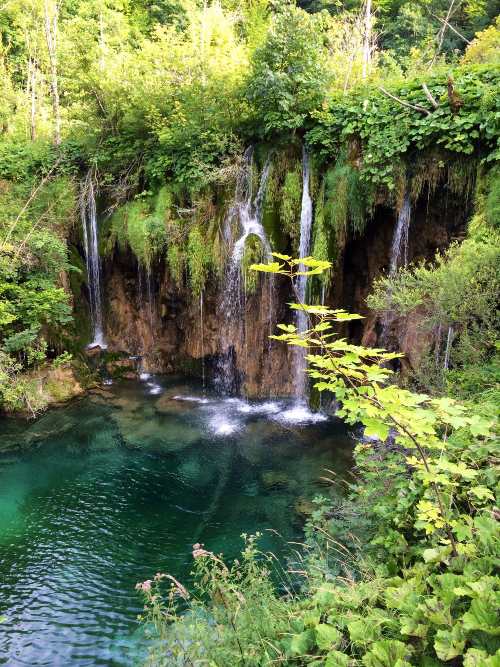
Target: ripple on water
{"x": 118, "y": 490}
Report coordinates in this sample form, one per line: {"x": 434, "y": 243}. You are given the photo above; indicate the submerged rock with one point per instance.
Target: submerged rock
{"x": 304, "y": 507}
{"x": 273, "y": 479}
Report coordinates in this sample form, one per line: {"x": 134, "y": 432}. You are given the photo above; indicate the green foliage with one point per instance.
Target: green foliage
{"x": 458, "y": 292}
{"x": 389, "y": 131}
{"x": 142, "y": 224}
{"x": 485, "y": 48}
{"x": 199, "y": 260}
{"x": 288, "y": 77}
{"x": 422, "y": 587}
{"x": 345, "y": 201}
{"x": 291, "y": 197}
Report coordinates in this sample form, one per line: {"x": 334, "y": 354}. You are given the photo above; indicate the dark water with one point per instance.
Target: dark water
{"x": 103, "y": 494}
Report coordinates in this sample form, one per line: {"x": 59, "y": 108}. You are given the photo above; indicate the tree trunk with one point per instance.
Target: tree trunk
{"x": 367, "y": 38}
{"x": 32, "y": 91}
{"x": 51, "y": 39}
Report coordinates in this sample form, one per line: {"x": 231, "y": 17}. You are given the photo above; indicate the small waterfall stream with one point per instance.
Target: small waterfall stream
{"x": 248, "y": 210}
{"x": 301, "y": 319}
{"x": 88, "y": 214}
{"x": 399, "y": 255}
{"x": 399, "y": 248}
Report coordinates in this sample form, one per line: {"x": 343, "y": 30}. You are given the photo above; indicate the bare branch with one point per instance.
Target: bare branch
{"x": 429, "y": 96}
{"x": 416, "y": 107}
{"x": 446, "y": 24}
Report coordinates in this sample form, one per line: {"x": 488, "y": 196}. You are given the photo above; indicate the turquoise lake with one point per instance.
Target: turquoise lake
{"x": 105, "y": 492}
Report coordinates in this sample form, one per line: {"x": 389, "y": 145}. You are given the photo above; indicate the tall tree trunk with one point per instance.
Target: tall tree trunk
{"x": 51, "y": 39}
{"x": 31, "y": 90}
{"x": 367, "y": 39}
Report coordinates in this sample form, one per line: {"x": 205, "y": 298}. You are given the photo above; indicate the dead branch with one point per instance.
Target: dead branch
{"x": 416, "y": 107}
{"x": 429, "y": 96}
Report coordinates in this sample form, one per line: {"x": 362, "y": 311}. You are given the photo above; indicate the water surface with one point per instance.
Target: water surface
{"x": 104, "y": 493}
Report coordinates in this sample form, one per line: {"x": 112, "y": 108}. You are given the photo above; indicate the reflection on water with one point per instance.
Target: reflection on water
{"x": 104, "y": 493}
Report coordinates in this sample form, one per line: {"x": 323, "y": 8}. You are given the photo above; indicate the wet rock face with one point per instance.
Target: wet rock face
{"x": 149, "y": 317}
{"x": 169, "y": 332}
{"x": 436, "y": 221}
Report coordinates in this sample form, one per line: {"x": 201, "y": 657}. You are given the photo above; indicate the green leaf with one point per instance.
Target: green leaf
{"x": 327, "y": 636}
{"x": 272, "y": 267}
{"x": 374, "y": 428}
{"x": 387, "y": 653}
{"x": 303, "y": 643}
{"x": 337, "y": 659}
{"x": 449, "y": 645}
{"x": 484, "y": 615}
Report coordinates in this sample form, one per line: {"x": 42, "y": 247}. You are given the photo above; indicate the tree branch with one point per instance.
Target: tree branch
{"x": 415, "y": 107}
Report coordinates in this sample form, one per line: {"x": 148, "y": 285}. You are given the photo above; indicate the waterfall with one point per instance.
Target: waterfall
{"x": 399, "y": 248}
{"x": 301, "y": 319}
{"x": 449, "y": 340}
{"x": 202, "y": 341}
{"x": 399, "y": 257}
{"x": 247, "y": 209}
{"x": 88, "y": 214}
{"x": 146, "y": 297}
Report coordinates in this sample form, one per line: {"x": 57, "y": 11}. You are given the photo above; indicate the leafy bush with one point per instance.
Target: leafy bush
{"x": 423, "y": 588}
{"x": 457, "y": 294}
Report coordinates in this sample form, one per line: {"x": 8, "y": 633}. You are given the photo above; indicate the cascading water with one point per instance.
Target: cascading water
{"x": 202, "y": 341}
{"x": 399, "y": 254}
{"x": 399, "y": 248}
{"x": 88, "y": 214}
{"x": 301, "y": 320}
{"x": 248, "y": 211}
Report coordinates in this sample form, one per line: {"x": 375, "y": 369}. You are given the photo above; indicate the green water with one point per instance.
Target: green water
{"x": 102, "y": 494}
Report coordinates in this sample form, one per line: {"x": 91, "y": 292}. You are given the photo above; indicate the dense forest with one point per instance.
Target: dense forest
{"x": 163, "y": 168}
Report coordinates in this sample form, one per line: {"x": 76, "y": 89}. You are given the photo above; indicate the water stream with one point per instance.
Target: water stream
{"x": 398, "y": 258}
{"x": 106, "y": 492}
{"x": 247, "y": 209}
{"x": 88, "y": 214}
{"x": 399, "y": 247}
{"x": 301, "y": 320}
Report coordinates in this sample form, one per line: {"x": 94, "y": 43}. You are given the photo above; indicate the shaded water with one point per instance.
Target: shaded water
{"x": 118, "y": 486}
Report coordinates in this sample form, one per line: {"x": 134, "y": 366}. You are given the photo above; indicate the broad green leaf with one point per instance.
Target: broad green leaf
{"x": 449, "y": 644}
{"x": 303, "y": 643}
{"x": 387, "y": 653}
{"x": 337, "y": 659}
{"x": 327, "y": 636}
{"x": 484, "y": 614}
{"x": 272, "y": 267}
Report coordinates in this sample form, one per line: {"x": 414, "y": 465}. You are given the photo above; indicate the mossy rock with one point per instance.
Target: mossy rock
{"x": 274, "y": 479}
{"x": 304, "y": 507}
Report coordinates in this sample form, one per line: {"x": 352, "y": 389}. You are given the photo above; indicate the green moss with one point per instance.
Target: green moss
{"x": 346, "y": 200}
{"x": 142, "y": 225}
{"x": 176, "y": 263}
{"x": 253, "y": 254}
{"x": 492, "y": 200}
{"x": 291, "y": 196}
{"x": 199, "y": 260}
{"x": 321, "y": 238}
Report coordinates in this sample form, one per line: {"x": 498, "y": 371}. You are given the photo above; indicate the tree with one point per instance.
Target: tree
{"x": 289, "y": 75}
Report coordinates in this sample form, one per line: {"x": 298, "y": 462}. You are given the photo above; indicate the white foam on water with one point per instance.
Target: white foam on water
{"x": 222, "y": 426}
{"x": 154, "y": 389}
{"x": 267, "y": 408}
{"x": 107, "y": 381}
{"x": 191, "y": 399}
{"x": 144, "y": 376}
{"x": 300, "y": 414}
